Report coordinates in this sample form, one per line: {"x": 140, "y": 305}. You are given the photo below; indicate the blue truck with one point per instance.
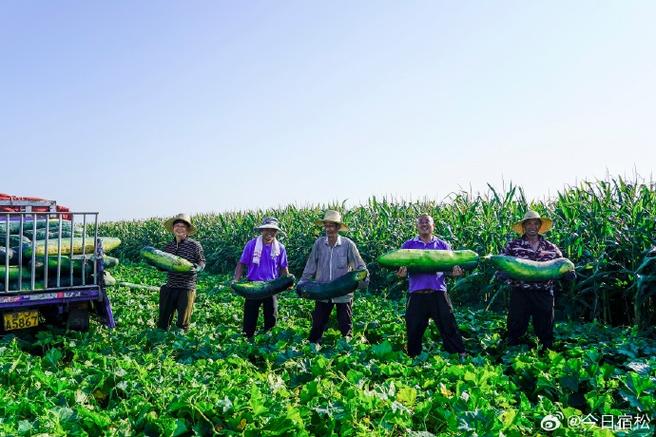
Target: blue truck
{"x": 51, "y": 267}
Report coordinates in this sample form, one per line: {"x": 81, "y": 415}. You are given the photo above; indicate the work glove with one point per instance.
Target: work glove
{"x": 501, "y": 276}
{"x": 298, "y": 284}
{"x": 569, "y": 276}
{"x": 364, "y": 284}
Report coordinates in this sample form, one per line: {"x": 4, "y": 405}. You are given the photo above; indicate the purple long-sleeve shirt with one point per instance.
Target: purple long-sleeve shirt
{"x": 426, "y": 281}
{"x": 268, "y": 268}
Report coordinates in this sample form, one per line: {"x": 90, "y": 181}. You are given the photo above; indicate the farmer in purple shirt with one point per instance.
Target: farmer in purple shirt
{"x": 265, "y": 259}
{"x": 427, "y": 295}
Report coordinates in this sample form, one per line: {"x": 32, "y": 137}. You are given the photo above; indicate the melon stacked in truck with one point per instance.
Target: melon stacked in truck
{"x": 64, "y": 249}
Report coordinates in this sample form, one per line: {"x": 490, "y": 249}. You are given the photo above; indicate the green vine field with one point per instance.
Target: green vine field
{"x": 136, "y": 379}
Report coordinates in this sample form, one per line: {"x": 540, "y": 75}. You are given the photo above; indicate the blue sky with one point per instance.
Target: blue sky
{"x": 140, "y": 109}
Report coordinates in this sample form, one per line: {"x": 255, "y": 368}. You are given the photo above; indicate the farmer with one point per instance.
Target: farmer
{"x": 332, "y": 256}
{"x": 427, "y": 295}
{"x": 264, "y": 258}
{"x": 179, "y": 292}
{"x": 535, "y": 298}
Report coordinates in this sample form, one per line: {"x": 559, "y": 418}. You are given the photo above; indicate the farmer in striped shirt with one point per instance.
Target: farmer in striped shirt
{"x": 264, "y": 258}
{"x": 536, "y": 298}
{"x": 179, "y": 292}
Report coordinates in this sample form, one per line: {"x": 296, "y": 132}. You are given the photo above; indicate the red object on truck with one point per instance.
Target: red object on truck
{"x": 36, "y": 209}
{"x": 61, "y": 298}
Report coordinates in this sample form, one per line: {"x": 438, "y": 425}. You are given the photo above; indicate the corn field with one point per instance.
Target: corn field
{"x": 607, "y": 228}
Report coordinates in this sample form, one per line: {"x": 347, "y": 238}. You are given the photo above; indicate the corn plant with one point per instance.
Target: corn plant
{"x": 605, "y": 227}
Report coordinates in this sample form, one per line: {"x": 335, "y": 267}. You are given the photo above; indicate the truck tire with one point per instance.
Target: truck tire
{"x": 78, "y": 319}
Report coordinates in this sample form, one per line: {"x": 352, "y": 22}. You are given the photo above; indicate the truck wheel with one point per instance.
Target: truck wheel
{"x": 78, "y": 319}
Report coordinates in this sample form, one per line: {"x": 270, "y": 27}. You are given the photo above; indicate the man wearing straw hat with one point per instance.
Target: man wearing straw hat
{"x": 535, "y": 298}
{"x": 332, "y": 256}
{"x": 264, "y": 258}
{"x": 179, "y": 292}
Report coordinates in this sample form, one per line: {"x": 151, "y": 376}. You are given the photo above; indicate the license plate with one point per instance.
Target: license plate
{"x": 21, "y": 320}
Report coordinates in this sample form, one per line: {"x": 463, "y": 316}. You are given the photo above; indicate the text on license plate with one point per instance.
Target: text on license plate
{"x": 21, "y": 320}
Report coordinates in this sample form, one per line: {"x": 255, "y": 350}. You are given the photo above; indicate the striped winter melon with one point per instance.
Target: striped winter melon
{"x": 165, "y": 261}
{"x": 428, "y": 261}
{"x": 529, "y": 270}
{"x": 65, "y": 262}
{"x": 262, "y": 289}
{"x": 14, "y": 271}
{"x": 327, "y": 290}
{"x": 108, "y": 244}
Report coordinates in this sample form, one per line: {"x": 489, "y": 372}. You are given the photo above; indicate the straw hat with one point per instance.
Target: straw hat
{"x": 186, "y": 218}
{"x": 269, "y": 223}
{"x": 334, "y": 217}
{"x": 547, "y": 223}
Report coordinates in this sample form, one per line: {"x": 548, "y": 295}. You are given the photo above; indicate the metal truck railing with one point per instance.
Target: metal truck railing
{"x": 20, "y": 224}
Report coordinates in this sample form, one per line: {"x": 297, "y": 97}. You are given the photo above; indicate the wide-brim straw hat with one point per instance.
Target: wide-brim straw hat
{"x": 334, "y": 217}
{"x": 269, "y": 223}
{"x": 547, "y": 223}
{"x": 168, "y": 224}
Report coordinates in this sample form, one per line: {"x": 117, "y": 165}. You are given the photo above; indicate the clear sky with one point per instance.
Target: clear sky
{"x": 137, "y": 109}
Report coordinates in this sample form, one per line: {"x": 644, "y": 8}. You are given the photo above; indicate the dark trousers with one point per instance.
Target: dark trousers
{"x": 172, "y": 300}
{"x": 321, "y": 315}
{"x": 437, "y": 306}
{"x": 524, "y": 304}
{"x": 252, "y": 311}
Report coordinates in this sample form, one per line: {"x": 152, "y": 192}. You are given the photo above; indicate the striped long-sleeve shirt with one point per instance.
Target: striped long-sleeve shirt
{"x": 521, "y": 248}
{"x": 192, "y": 251}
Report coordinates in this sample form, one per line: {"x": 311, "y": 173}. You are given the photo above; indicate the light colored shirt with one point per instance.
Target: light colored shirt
{"x": 327, "y": 263}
